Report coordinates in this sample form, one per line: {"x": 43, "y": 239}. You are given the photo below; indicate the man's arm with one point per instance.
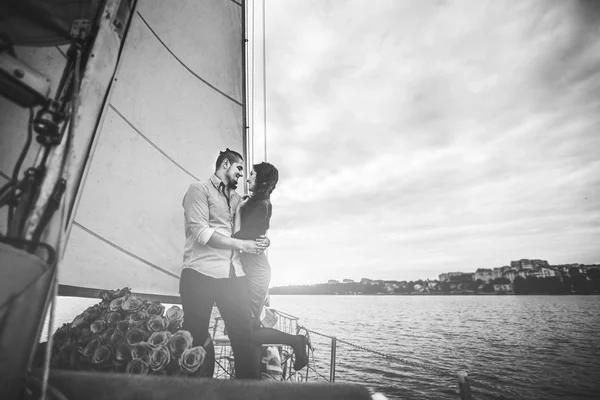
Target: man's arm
{"x": 195, "y": 204}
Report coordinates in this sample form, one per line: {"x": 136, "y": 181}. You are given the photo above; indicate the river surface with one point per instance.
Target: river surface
{"x": 513, "y": 347}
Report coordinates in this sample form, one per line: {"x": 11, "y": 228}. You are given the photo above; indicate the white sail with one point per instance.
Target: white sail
{"x": 177, "y": 100}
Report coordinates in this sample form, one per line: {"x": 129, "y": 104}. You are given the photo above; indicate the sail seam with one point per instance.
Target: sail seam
{"x": 185, "y": 66}
{"x": 60, "y": 51}
{"x": 130, "y": 254}
{"x": 153, "y": 144}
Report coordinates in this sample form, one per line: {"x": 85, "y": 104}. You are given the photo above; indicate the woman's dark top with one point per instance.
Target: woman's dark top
{"x": 256, "y": 215}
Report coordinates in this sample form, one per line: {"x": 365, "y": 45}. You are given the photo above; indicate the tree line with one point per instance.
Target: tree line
{"x": 573, "y": 282}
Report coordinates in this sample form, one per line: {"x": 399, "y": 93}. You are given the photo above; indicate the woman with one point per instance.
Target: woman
{"x": 252, "y": 219}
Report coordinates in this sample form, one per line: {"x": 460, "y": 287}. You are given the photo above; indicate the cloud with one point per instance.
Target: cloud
{"x": 415, "y": 138}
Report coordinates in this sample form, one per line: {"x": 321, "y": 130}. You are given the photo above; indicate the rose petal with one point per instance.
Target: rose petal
{"x": 98, "y": 326}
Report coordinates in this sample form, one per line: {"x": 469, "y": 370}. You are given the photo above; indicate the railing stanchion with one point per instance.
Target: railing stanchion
{"x": 464, "y": 386}
{"x": 332, "y": 363}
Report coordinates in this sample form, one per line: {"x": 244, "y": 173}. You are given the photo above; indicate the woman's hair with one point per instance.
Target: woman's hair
{"x": 266, "y": 179}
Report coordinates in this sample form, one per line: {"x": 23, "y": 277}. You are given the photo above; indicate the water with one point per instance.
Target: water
{"x": 526, "y": 347}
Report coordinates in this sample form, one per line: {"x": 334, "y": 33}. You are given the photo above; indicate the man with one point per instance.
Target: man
{"x": 212, "y": 272}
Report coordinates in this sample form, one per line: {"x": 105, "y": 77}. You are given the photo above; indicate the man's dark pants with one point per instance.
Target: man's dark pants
{"x": 198, "y": 294}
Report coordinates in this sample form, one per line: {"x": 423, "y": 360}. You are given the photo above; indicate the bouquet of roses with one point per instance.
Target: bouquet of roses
{"x": 124, "y": 333}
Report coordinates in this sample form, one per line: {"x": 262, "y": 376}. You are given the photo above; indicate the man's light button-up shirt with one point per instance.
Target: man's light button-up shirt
{"x": 207, "y": 210}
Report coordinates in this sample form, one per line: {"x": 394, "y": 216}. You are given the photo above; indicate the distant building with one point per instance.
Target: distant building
{"x": 543, "y": 272}
{"x": 446, "y": 276}
{"x": 485, "y": 274}
{"x": 333, "y": 281}
{"x": 528, "y": 264}
{"x": 348, "y": 281}
{"x": 512, "y": 274}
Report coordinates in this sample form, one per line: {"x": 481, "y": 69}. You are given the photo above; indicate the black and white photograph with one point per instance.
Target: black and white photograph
{"x": 299, "y": 199}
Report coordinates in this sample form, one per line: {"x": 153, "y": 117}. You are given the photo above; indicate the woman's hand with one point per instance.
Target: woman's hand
{"x": 243, "y": 202}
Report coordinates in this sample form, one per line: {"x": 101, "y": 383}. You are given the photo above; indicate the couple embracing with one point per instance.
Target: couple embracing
{"x": 224, "y": 264}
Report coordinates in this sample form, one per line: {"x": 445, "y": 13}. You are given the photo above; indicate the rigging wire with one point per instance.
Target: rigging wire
{"x": 253, "y": 92}
{"x": 264, "y": 24}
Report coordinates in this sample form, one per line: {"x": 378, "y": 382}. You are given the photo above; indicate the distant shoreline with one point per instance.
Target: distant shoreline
{"x": 435, "y": 294}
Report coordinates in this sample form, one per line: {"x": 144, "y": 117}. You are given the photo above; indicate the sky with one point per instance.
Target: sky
{"x": 420, "y": 137}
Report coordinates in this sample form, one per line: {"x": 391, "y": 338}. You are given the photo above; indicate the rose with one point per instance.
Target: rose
{"x": 78, "y": 321}
{"x": 135, "y": 336}
{"x": 107, "y": 334}
{"x": 98, "y": 326}
{"x": 175, "y": 315}
{"x": 122, "y": 352}
{"x": 191, "y": 359}
{"x": 180, "y": 342}
{"x": 91, "y": 347}
{"x": 123, "y": 326}
{"x": 66, "y": 344}
{"x": 116, "y": 337}
{"x": 156, "y": 323}
{"x": 155, "y": 308}
{"x": 92, "y": 313}
{"x": 76, "y": 332}
{"x": 132, "y": 304}
{"x": 109, "y": 295}
{"x": 112, "y": 318}
{"x": 84, "y": 336}
{"x": 117, "y": 304}
{"x": 102, "y": 354}
{"x": 106, "y": 295}
{"x": 141, "y": 350}
{"x": 159, "y": 358}
{"x": 137, "y": 316}
{"x": 158, "y": 339}
{"x": 137, "y": 366}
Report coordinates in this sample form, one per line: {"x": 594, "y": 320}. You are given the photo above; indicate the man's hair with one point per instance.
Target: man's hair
{"x": 267, "y": 177}
{"x": 232, "y": 156}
